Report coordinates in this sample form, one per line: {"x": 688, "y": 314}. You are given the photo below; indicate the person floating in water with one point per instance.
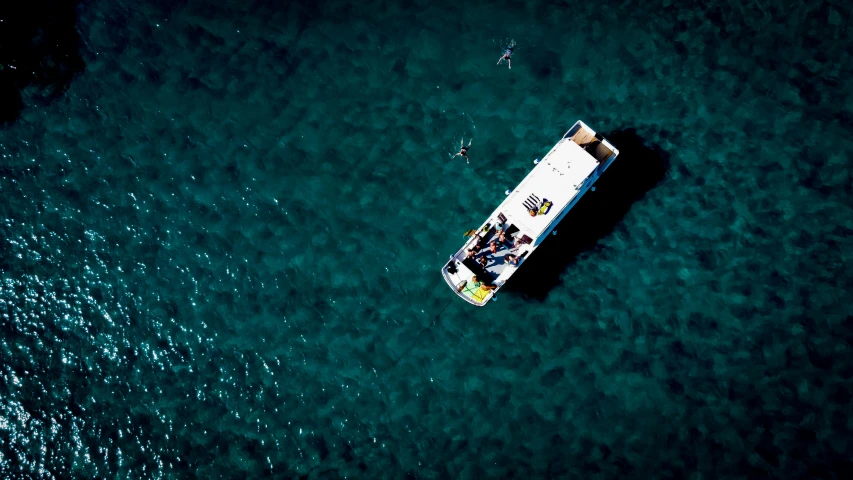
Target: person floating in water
{"x": 507, "y": 54}
{"x": 463, "y": 150}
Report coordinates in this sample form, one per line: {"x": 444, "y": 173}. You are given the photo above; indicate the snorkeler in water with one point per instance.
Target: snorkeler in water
{"x": 463, "y": 151}
{"x": 507, "y": 54}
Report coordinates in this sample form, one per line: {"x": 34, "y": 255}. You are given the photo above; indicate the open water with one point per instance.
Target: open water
{"x": 222, "y": 223}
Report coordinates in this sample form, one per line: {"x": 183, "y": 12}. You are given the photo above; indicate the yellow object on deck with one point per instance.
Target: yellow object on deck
{"x": 474, "y": 291}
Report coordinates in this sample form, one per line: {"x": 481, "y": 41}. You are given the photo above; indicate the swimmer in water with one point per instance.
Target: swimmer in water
{"x": 507, "y": 54}
{"x": 463, "y": 151}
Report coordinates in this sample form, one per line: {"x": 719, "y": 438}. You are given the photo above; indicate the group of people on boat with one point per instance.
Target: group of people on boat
{"x": 493, "y": 247}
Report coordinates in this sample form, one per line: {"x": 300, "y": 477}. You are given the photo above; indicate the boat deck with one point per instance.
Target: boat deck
{"x": 468, "y": 268}
{"x": 581, "y": 136}
{"x": 497, "y": 262}
{"x": 586, "y": 139}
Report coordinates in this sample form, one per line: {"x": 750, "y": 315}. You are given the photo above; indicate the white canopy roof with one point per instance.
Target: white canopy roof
{"x": 556, "y": 179}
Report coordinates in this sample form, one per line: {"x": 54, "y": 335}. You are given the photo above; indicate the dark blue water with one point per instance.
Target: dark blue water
{"x": 221, "y": 231}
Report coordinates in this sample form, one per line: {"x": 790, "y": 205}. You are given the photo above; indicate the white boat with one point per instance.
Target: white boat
{"x": 530, "y": 212}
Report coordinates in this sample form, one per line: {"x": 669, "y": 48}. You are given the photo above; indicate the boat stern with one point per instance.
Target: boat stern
{"x": 465, "y": 283}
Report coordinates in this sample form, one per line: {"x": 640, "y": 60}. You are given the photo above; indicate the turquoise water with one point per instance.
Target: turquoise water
{"x": 221, "y": 242}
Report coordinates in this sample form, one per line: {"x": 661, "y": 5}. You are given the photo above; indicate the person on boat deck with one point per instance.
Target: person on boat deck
{"x": 471, "y": 253}
{"x": 463, "y": 150}
{"x": 483, "y": 285}
{"x": 483, "y": 261}
{"x": 502, "y": 236}
{"x": 512, "y": 259}
{"x": 478, "y": 245}
{"x": 493, "y": 247}
{"x": 507, "y": 54}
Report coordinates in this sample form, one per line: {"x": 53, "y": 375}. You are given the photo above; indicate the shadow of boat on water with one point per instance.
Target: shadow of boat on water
{"x": 637, "y": 169}
{"x": 39, "y": 46}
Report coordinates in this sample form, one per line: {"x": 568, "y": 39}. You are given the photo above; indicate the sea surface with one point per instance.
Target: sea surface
{"x": 222, "y": 225}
